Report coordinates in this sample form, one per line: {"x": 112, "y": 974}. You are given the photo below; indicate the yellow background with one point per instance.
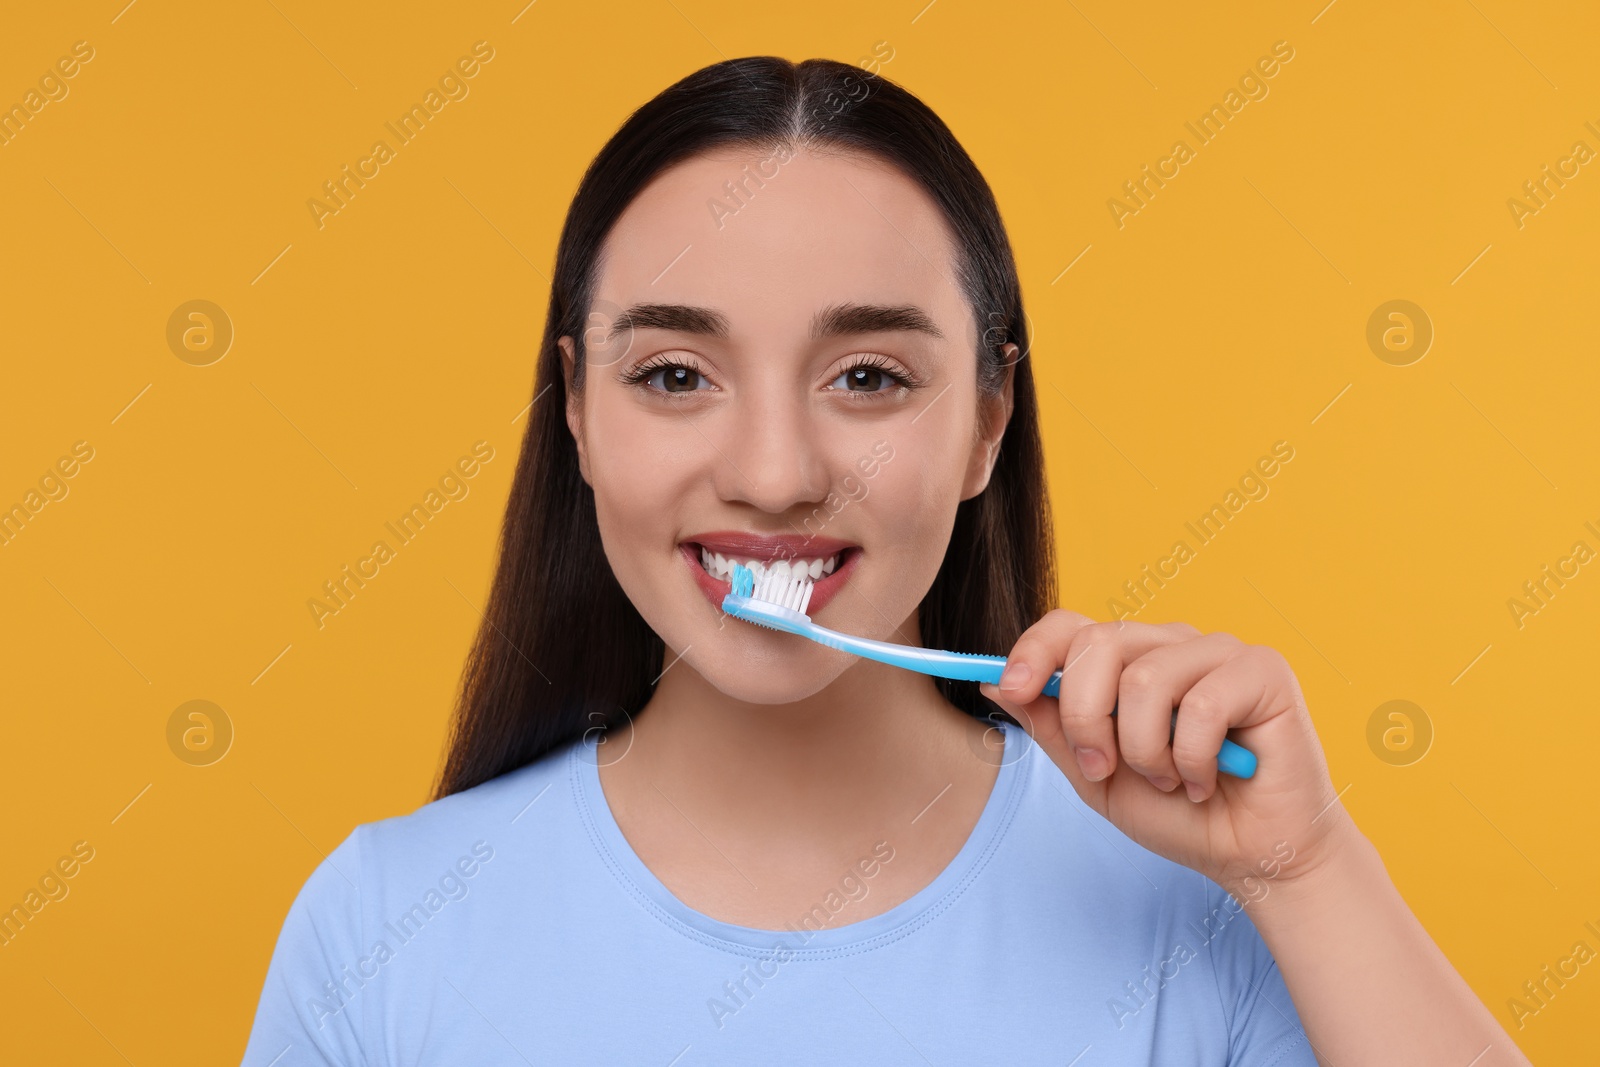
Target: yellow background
{"x": 1229, "y": 313}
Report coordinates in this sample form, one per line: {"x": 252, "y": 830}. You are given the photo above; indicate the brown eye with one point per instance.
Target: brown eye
{"x": 674, "y": 377}
{"x": 871, "y": 376}
{"x": 679, "y": 379}
{"x": 868, "y": 379}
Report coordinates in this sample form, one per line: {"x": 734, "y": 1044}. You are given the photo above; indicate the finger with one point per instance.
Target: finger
{"x": 1096, "y": 660}
{"x": 1150, "y": 687}
{"x": 1040, "y": 719}
{"x": 1043, "y": 723}
{"x": 1037, "y": 654}
{"x": 1234, "y": 694}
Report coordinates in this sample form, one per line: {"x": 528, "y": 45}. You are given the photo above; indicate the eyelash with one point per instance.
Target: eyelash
{"x": 640, "y": 374}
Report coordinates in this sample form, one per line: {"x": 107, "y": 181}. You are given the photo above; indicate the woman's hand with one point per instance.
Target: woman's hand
{"x": 1245, "y": 834}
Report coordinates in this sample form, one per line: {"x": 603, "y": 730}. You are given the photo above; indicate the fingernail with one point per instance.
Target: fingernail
{"x": 1015, "y": 675}
{"x": 1196, "y": 793}
{"x": 1093, "y": 763}
{"x": 1166, "y": 785}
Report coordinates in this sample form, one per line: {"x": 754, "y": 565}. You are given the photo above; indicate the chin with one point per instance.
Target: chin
{"x": 771, "y": 679}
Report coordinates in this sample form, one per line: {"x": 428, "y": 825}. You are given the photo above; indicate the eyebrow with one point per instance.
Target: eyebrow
{"x": 832, "y": 321}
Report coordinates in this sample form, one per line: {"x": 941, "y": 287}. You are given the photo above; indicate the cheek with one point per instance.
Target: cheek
{"x": 914, "y": 495}
{"x": 629, "y": 455}
{"x": 625, "y": 473}
{"x": 634, "y": 513}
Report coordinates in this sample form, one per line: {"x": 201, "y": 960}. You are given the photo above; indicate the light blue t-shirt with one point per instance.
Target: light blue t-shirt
{"x": 513, "y": 924}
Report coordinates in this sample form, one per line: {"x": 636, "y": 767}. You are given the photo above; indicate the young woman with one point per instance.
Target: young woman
{"x": 786, "y": 328}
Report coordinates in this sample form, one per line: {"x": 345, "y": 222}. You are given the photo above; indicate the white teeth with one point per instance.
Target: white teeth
{"x": 719, "y": 566}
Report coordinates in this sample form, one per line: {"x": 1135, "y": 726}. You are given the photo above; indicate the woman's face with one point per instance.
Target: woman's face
{"x": 786, "y": 375}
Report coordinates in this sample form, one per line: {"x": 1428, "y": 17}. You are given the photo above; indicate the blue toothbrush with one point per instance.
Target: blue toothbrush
{"x": 780, "y": 603}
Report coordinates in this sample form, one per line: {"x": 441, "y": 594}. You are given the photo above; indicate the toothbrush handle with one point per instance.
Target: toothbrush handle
{"x": 1232, "y": 759}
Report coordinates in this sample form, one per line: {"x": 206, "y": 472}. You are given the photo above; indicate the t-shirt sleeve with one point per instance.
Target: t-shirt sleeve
{"x": 309, "y": 1014}
{"x": 1264, "y": 1029}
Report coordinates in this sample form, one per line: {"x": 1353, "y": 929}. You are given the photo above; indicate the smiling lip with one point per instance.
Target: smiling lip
{"x": 782, "y": 546}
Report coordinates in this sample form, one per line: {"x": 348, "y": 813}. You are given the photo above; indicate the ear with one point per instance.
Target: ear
{"x": 993, "y": 416}
{"x": 569, "y": 357}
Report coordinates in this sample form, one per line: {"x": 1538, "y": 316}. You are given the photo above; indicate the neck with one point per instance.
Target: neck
{"x": 875, "y": 746}
{"x": 748, "y": 812}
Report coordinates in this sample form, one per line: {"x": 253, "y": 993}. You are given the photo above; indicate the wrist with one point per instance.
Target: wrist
{"x": 1339, "y": 866}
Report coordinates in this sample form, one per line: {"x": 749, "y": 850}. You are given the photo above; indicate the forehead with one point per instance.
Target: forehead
{"x": 768, "y": 241}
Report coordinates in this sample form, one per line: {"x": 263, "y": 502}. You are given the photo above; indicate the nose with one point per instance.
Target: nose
{"x": 773, "y": 454}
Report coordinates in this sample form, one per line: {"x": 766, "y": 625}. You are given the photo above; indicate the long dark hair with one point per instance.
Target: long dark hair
{"x": 562, "y": 650}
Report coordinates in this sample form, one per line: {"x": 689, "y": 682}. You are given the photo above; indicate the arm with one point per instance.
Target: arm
{"x": 310, "y": 1010}
{"x": 1368, "y": 983}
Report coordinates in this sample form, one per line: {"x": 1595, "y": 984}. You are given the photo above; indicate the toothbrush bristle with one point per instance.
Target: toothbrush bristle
{"x": 786, "y": 591}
